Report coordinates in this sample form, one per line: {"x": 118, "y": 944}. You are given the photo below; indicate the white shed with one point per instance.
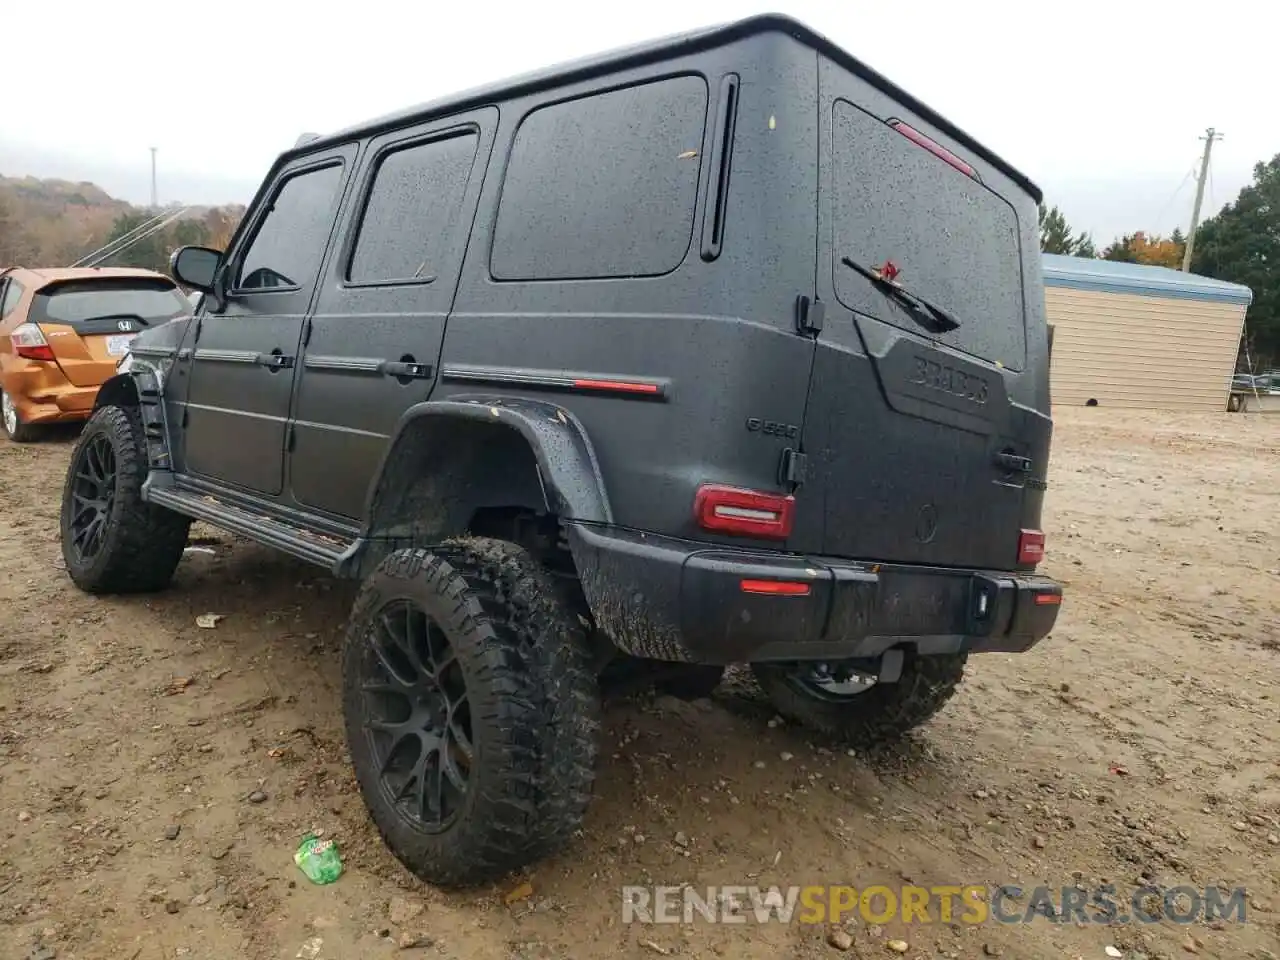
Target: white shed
{"x": 1130, "y": 335}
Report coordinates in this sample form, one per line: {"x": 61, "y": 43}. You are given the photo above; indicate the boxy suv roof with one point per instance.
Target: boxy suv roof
{"x": 721, "y": 349}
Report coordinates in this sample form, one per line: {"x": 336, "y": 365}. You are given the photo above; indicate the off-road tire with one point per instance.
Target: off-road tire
{"x": 534, "y": 708}
{"x": 142, "y": 542}
{"x": 879, "y": 715}
{"x": 22, "y": 432}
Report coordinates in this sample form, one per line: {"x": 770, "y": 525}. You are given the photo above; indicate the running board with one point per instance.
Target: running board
{"x": 269, "y": 531}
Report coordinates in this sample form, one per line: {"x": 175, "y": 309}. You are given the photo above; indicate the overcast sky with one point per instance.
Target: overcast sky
{"x": 1101, "y": 103}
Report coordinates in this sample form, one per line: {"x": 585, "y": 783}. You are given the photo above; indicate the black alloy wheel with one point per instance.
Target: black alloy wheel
{"x": 93, "y": 493}
{"x": 419, "y": 717}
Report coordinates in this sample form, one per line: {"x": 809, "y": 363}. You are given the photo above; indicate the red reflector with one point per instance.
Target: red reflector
{"x": 937, "y": 149}
{"x": 617, "y": 386}
{"x": 777, "y": 588}
{"x": 744, "y": 513}
{"x": 1048, "y": 599}
{"x": 1030, "y": 547}
{"x": 39, "y": 352}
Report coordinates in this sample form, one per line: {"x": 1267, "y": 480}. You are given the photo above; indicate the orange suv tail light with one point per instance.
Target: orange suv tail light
{"x": 29, "y": 342}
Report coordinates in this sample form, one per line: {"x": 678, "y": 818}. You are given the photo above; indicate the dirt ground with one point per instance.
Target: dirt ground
{"x": 1141, "y": 742}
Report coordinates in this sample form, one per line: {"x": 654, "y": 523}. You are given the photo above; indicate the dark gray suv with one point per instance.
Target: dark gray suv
{"x": 717, "y": 350}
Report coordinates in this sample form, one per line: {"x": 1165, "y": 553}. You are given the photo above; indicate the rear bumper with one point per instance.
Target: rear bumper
{"x": 43, "y": 394}
{"x": 681, "y": 600}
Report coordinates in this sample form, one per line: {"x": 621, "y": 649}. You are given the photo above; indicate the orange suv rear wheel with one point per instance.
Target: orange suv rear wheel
{"x": 14, "y": 428}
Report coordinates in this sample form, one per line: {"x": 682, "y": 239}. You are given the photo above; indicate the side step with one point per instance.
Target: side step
{"x": 270, "y": 531}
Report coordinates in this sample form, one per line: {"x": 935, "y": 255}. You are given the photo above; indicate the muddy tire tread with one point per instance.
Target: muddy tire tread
{"x": 538, "y": 708}
{"x": 144, "y": 542}
{"x": 881, "y": 715}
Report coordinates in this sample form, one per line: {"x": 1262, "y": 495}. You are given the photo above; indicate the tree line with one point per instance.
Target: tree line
{"x": 212, "y": 228}
{"x": 52, "y": 223}
{"x": 1240, "y": 243}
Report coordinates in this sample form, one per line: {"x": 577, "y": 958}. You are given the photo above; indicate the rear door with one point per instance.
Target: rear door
{"x": 922, "y": 443}
{"x": 372, "y": 348}
{"x": 89, "y": 323}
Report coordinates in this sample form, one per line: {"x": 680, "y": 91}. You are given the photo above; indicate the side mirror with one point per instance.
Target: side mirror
{"x": 195, "y": 267}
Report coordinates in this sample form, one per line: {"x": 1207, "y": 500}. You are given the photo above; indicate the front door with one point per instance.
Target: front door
{"x": 245, "y": 357}
{"x": 373, "y": 345}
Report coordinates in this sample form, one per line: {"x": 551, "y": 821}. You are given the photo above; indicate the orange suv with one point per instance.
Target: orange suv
{"x": 62, "y": 332}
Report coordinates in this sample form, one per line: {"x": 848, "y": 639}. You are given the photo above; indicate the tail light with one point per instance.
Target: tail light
{"x": 745, "y": 513}
{"x": 1030, "y": 547}
{"x": 29, "y": 342}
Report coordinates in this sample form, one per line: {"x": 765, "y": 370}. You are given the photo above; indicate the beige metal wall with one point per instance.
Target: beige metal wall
{"x": 1140, "y": 351}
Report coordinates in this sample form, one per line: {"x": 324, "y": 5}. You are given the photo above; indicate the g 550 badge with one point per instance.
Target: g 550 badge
{"x": 773, "y": 428}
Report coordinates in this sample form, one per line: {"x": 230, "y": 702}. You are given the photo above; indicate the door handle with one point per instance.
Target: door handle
{"x": 275, "y": 360}
{"x": 407, "y": 370}
{"x": 1013, "y": 463}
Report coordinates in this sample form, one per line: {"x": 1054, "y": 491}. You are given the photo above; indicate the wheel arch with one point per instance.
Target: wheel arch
{"x": 118, "y": 390}
{"x": 449, "y": 459}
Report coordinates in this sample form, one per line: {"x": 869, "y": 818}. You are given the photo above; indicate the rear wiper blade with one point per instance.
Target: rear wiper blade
{"x": 929, "y": 315}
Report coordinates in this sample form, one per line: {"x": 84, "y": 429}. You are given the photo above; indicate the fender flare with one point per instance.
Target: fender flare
{"x": 569, "y": 474}
{"x": 118, "y": 390}
{"x": 141, "y": 386}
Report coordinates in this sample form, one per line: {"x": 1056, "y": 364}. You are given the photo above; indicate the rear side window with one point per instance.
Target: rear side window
{"x": 289, "y": 243}
{"x": 127, "y": 298}
{"x": 412, "y": 211}
{"x": 603, "y": 186}
{"x": 954, "y": 240}
{"x": 12, "y": 294}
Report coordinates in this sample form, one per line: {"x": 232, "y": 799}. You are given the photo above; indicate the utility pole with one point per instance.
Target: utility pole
{"x": 1210, "y": 136}
{"x": 155, "y": 197}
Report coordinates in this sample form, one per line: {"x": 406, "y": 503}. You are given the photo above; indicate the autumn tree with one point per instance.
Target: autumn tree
{"x": 220, "y": 225}
{"x": 1153, "y": 250}
{"x": 1242, "y": 244}
{"x": 1056, "y": 235}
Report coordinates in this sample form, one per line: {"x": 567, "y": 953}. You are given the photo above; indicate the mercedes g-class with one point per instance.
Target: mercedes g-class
{"x": 717, "y": 350}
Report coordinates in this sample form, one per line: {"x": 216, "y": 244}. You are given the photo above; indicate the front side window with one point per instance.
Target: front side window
{"x": 289, "y": 244}
{"x": 412, "y": 212}
{"x": 603, "y": 186}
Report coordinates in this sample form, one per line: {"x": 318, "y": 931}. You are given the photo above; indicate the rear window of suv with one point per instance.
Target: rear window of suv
{"x": 75, "y": 301}
{"x": 955, "y": 241}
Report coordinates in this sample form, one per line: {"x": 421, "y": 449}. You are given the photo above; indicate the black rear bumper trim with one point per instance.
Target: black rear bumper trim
{"x": 683, "y": 600}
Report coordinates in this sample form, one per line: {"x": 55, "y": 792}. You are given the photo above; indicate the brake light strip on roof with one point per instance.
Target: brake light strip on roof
{"x": 937, "y": 149}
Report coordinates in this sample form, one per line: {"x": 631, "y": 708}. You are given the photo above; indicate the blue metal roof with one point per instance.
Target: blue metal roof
{"x": 1139, "y": 279}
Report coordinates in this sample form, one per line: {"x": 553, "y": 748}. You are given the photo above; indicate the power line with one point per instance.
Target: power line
{"x": 1191, "y": 172}
{"x": 124, "y": 240}
{"x": 165, "y": 219}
